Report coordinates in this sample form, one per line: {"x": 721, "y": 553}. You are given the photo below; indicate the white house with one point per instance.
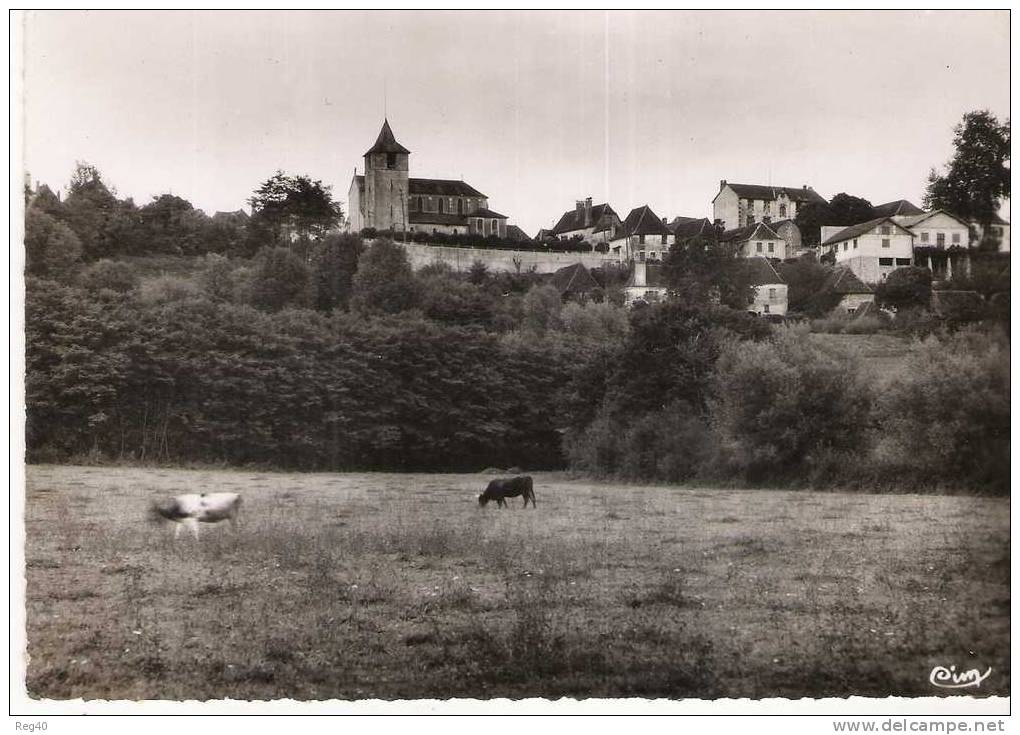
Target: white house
{"x": 642, "y": 237}
{"x": 872, "y": 249}
{"x": 594, "y": 224}
{"x": 646, "y": 283}
{"x": 740, "y": 205}
{"x": 938, "y": 229}
{"x": 771, "y": 293}
{"x": 756, "y": 241}
{"x": 999, "y": 229}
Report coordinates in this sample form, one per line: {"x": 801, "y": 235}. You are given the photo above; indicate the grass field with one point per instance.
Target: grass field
{"x": 400, "y": 586}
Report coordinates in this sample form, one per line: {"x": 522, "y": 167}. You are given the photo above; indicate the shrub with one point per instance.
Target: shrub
{"x": 52, "y": 250}
{"x": 109, "y": 275}
{"x": 164, "y": 289}
{"x": 218, "y": 278}
{"x": 281, "y": 279}
{"x": 864, "y": 325}
{"x": 774, "y": 403}
{"x": 541, "y": 309}
{"x": 905, "y": 288}
{"x": 946, "y": 414}
{"x": 384, "y": 282}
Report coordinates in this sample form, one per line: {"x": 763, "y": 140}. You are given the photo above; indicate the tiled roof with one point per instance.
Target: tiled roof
{"x": 574, "y": 278}
{"x": 911, "y": 220}
{"x": 843, "y": 281}
{"x": 643, "y": 221}
{"x": 770, "y": 193}
{"x": 687, "y": 227}
{"x": 900, "y": 206}
{"x": 573, "y": 219}
{"x": 762, "y": 271}
{"x": 516, "y": 233}
{"x": 860, "y": 229}
{"x": 741, "y": 234}
{"x": 442, "y": 187}
{"x": 386, "y": 143}
{"x": 486, "y": 213}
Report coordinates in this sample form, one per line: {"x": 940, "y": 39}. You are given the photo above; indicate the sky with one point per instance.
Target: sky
{"x": 535, "y": 109}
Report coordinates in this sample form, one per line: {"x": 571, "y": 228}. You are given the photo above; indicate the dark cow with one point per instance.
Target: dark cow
{"x": 508, "y": 487}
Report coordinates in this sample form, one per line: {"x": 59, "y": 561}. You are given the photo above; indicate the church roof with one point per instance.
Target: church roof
{"x": 442, "y": 187}
{"x": 436, "y": 218}
{"x": 487, "y": 213}
{"x": 386, "y": 143}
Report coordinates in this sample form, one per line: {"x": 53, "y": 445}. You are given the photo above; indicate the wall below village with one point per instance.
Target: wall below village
{"x": 499, "y": 260}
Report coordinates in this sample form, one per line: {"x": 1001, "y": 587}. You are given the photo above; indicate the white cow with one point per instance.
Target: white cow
{"x": 194, "y": 508}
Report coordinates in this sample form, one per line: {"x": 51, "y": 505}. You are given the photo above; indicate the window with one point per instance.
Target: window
{"x": 846, "y": 246}
{"x": 757, "y": 246}
{"x": 664, "y": 239}
{"x": 850, "y": 310}
{"x": 885, "y": 242}
{"x": 885, "y": 261}
{"x": 903, "y": 261}
{"x": 768, "y": 207}
{"x": 772, "y": 247}
{"x": 855, "y": 243}
{"x": 435, "y": 230}
{"x": 442, "y": 205}
{"x": 886, "y": 230}
{"x": 996, "y": 230}
{"x": 641, "y": 239}
{"x": 750, "y": 220}
{"x": 391, "y": 160}
{"x": 460, "y": 206}
{"x": 772, "y": 293}
{"x": 924, "y": 237}
{"x": 940, "y": 239}
{"x": 782, "y": 210}
{"x": 956, "y": 238}
{"x": 765, "y": 308}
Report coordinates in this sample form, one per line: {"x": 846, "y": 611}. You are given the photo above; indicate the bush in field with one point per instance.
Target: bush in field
{"x": 448, "y": 297}
{"x": 541, "y": 309}
{"x": 384, "y": 282}
{"x": 595, "y": 321}
{"x": 109, "y": 275}
{"x": 219, "y": 278}
{"x": 168, "y": 288}
{"x": 905, "y": 288}
{"x": 864, "y": 325}
{"x": 774, "y": 403}
{"x": 280, "y": 279}
{"x": 52, "y": 250}
{"x": 946, "y": 415}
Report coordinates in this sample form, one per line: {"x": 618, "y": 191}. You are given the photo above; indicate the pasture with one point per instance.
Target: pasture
{"x": 396, "y": 586}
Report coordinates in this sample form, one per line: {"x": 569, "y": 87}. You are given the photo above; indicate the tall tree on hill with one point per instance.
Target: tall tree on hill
{"x": 105, "y": 225}
{"x": 846, "y": 209}
{"x": 977, "y": 176}
{"x": 287, "y": 208}
{"x": 384, "y": 283}
{"x": 810, "y": 218}
{"x": 170, "y": 224}
{"x": 699, "y": 271}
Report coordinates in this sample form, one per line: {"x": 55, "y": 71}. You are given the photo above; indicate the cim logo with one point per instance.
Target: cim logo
{"x": 951, "y": 679}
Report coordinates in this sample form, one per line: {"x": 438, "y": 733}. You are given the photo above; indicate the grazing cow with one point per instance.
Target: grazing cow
{"x": 503, "y": 488}
{"x": 193, "y": 508}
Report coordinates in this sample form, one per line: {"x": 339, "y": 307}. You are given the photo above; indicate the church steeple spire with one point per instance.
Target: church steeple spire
{"x": 386, "y": 143}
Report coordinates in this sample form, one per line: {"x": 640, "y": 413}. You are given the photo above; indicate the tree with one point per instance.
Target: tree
{"x": 699, "y": 271}
{"x": 448, "y": 297}
{"x": 52, "y": 249}
{"x": 334, "y": 262}
{"x": 810, "y": 219}
{"x": 846, "y": 209}
{"x": 805, "y": 279}
{"x": 977, "y": 176}
{"x": 281, "y": 278}
{"x": 384, "y": 282}
{"x": 905, "y": 288}
{"x": 541, "y": 309}
{"x": 110, "y": 275}
{"x": 293, "y": 207}
{"x": 90, "y": 209}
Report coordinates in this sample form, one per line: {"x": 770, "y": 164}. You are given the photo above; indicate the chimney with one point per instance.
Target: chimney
{"x": 579, "y": 206}
{"x": 805, "y": 187}
{"x": 665, "y": 221}
{"x": 722, "y": 184}
{"x": 587, "y": 212}
{"x": 639, "y": 273}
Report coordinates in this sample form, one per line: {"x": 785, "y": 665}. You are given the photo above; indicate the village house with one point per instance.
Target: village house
{"x": 771, "y": 294}
{"x": 687, "y": 228}
{"x": 756, "y": 240}
{"x": 647, "y": 283}
{"x": 740, "y": 205}
{"x": 853, "y": 292}
{"x": 998, "y": 230}
{"x": 872, "y": 249}
{"x": 642, "y": 236}
{"x": 900, "y": 207}
{"x": 385, "y": 198}
{"x": 574, "y": 282}
{"x": 593, "y": 224}
{"x": 937, "y": 229}
{"x": 789, "y": 233}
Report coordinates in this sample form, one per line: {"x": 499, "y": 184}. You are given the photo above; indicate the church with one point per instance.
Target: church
{"x": 386, "y": 198}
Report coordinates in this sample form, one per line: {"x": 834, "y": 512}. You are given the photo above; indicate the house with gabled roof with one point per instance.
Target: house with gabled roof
{"x": 998, "y": 231}
{"x": 872, "y": 249}
{"x": 574, "y": 282}
{"x": 756, "y": 241}
{"x": 386, "y": 198}
{"x": 641, "y": 237}
{"x": 771, "y": 295}
{"x": 740, "y": 205}
{"x": 593, "y": 224}
{"x": 939, "y": 229}
{"x": 853, "y": 292}
{"x": 686, "y": 228}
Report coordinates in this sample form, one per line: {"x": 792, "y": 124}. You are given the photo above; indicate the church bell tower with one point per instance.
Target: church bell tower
{"x": 386, "y": 188}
